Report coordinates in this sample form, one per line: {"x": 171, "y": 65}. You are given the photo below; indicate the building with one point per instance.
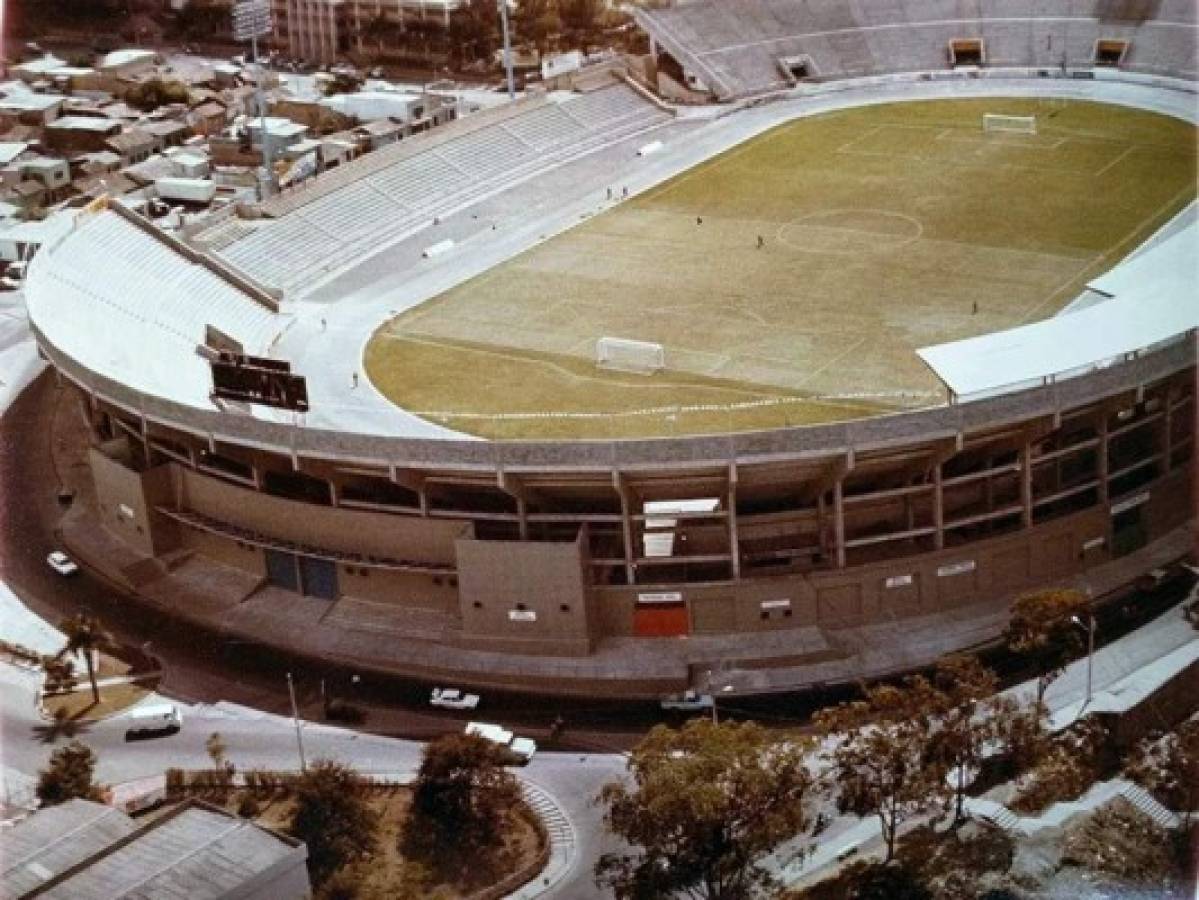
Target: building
{"x": 88, "y": 851}
{"x": 325, "y": 30}
{"x": 775, "y": 559}
{"x": 71, "y": 135}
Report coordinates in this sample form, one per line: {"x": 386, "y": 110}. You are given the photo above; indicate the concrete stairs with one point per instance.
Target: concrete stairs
{"x": 1099, "y": 794}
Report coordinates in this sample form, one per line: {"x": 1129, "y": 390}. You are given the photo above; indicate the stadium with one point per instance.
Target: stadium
{"x": 785, "y": 356}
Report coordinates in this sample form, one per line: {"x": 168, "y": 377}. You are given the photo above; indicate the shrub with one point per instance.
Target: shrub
{"x": 176, "y": 782}
{"x": 248, "y": 808}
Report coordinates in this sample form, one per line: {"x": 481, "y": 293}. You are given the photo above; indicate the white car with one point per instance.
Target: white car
{"x": 452, "y": 698}
{"x": 61, "y": 563}
{"x": 519, "y": 750}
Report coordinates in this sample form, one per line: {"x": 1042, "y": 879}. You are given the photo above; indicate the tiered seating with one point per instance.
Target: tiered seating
{"x": 132, "y": 308}
{"x": 735, "y": 45}
{"x": 385, "y": 200}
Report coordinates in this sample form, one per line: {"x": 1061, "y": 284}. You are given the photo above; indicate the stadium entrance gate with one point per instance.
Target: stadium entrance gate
{"x": 306, "y": 575}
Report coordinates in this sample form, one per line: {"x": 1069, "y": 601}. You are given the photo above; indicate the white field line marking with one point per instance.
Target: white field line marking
{"x": 1187, "y": 189}
{"x": 961, "y": 163}
{"x": 1120, "y": 158}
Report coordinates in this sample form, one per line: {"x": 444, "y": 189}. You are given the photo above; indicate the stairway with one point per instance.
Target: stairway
{"x": 1149, "y": 805}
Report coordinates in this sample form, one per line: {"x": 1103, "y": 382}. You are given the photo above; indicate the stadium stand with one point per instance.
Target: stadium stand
{"x": 161, "y": 311}
{"x": 376, "y": 199}
{"x": 737, "y": 47}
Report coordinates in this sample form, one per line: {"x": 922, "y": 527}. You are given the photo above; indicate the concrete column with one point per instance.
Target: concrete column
{"x": 626, "y": 524}
{"x": 522, "y": 514}
{"x": 734, "y": 541}
{"x": 334, "y": 493}
{"x": 839, "y": 523}
{"x": 1103, "y": 459}
{"x": 1167, "y": 428}
{"x": 938, "y": 507}
{"x": 1026, "y": 485}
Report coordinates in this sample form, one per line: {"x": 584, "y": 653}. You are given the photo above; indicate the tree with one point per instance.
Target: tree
{"x": 461, "y": 800}
{"x": 707, "y": 803}
{"x": 889, "y": 881}
{"x": 332, "y": 818}
{"x": 1043, "y": 630}
{"x": 215, "y": 748}
{"x": 968, "y": 717}
{"x": 60, "y": 675}
{"x": 85, "y": 637}
{"x": 876, "y": 747}
{"x": 69, "y": 775}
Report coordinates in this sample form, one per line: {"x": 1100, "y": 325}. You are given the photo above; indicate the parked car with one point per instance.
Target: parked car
{"x": 688, "y": 701}
{"x": 452, "y": 698}
{"x": 61, "y": 563}
{"x": 14, "y": 276}
{"x": 159, "y": 718}
{"x": 518, "y": 750}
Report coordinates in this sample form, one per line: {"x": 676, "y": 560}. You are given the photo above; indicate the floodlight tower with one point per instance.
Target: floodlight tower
{"x": 252, "y": 20}
{"x": 507, "y": 48}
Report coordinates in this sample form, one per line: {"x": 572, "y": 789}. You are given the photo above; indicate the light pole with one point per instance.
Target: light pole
{"x": 252, "y": 20}
{"x": 507, "y": 49}
{"x": 1089, "y": 627}
{"x": 295, "y": 717}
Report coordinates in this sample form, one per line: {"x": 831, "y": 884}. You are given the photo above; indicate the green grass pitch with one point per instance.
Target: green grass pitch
{"x": 882, "y": 227}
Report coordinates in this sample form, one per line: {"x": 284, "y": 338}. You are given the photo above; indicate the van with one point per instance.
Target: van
{"x": 161, "y": 718}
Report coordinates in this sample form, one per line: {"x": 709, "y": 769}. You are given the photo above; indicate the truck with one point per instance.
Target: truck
{"x": 518, "y": 750}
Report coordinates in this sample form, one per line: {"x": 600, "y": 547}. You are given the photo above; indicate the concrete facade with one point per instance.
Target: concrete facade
{"x": 552, "y": 560}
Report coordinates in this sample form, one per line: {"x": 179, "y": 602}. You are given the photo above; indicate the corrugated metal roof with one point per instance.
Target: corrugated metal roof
{"x": 1154, "y": 297}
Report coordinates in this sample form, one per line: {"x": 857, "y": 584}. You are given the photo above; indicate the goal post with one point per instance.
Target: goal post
{"x": 1012, "y": 124}
{"x": 627, "y": 355}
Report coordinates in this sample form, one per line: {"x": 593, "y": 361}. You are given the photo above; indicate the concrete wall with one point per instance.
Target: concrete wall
{"x": 918, "y": 585}
{"x": 127, "y": 498}
{"x": 531, "y": 595}
{"x": 351, "y": 531}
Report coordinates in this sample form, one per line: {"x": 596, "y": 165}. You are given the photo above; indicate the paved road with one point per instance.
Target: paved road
{"x": 228, "y": 699}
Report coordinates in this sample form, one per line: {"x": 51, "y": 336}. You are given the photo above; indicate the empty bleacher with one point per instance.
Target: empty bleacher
{"x": 735, "y": 45}
{"x": 374, "y": 200}
{"x": 110, "y": 277}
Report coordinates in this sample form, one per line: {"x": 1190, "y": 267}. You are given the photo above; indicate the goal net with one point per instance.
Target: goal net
{"x": 1015, "y": 124}
{"x": 629, "y": 356}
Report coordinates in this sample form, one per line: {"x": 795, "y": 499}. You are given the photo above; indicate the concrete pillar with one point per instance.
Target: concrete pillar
{"x": 626, "y": 524}
{"x": 938, "y": 507}
{"x": 839, "y": 523}
{"x": 734, "y": 541}
{"x": 1167, "y": 428}
{"x": 1026, "y": 485}
{"x": 1103, "y": 458}
{"x": 522, "y": 515}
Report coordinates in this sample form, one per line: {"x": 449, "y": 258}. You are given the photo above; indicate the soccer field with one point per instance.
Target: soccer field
{"x": 883, "y": 229}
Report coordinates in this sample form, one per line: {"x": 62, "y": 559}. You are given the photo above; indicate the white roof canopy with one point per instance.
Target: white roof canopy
{"x": 1154, "y": 298}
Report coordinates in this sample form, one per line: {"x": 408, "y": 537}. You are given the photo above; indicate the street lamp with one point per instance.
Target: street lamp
{"x": 295, "y": 717}
{"x": 1089, "y": 627}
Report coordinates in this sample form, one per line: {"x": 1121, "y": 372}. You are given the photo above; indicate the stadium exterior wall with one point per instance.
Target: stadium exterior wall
{"x": 816, "y": 530}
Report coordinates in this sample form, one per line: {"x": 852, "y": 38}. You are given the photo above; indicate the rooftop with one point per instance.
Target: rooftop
{"x": 84, "y": 123}
{"x": 195, "y": 851}
{"x": 54, "y": 839}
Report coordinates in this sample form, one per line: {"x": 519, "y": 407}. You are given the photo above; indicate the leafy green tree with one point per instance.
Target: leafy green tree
{"x": 70, "y": 775}
{"x": 877, "y": 746}
{"x": 706, "y": 804}
{"x": 1043, "y": 630}
{"x": 333, "y": 818}
{"x": 86, "y": 637}
{"x": 461, "y": 800}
